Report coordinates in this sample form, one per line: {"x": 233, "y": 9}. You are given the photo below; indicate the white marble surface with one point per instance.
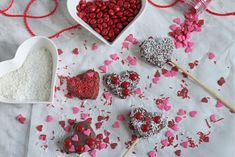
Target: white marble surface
{"x": 19, "y": 140}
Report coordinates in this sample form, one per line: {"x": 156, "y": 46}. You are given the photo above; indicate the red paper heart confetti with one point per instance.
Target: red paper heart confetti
{"x": 122, "y": 85}
{"x": 84, "y": 86}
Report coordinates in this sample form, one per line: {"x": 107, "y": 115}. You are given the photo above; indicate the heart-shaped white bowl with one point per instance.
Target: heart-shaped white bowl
{"x": 22, "y": 52}
{"x": 71, "y": 6}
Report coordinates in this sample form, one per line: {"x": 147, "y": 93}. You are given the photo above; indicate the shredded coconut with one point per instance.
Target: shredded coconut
{"x": 30, "y": 82}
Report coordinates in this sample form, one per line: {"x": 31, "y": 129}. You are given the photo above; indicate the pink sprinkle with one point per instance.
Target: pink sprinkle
{"x": 181, "y": 112}
{"x": 175, "y": 127}
{"x": 188, "y": 50}
{"x": 213, "y": 118}
{"x": 219, "y": 104}
{"x": 184, "y": 144}
{"x": 75, "y": 138}
{"x": 138, "y": 91}
{"x": 75, "y": 110}
{"x": 169, "y": 134}
{"x": 104, "y": 68}
{"x": 106, "y": 133}
{"x": 165, "y": 142}
{"x": 125, "y": 45}
{"x": 43, "y": 137}
{"x": 108, "y": 62}
{"x": 167, "y": 107}
{"x": 177, "y": 20}
{"x": 90, "y": 74}
{"x": 130, "y": 38}
{"x": 49, "y": 119}
{"x": 94, "y": 47}
{"x": 121, "y": 117}
{"x": 116, "y": 125}
{"x": 193, "y": 114}
{"x": 152, "y": 153}
{"x": 72, "y": 149}
{"x": 178, "y": 45}
{"x": 131, "y": 60}
{"x": 93, "y": 153}
{"x": 21, "y": 118}
{"x": 173, "y": 27}
{"x": 84, "y": 116}
{"x": 102, "y": 145}
{"x": 107, "y": 95}
{"x": 114, "y": 57}
{"x": 67, "y": 128}
{"x": 86, "y": 148}
{"x": 211, "y": 55}
{"x": 155, "y": 80}
{"x": 178, "y": 119}
{"x": 87, "y": 132}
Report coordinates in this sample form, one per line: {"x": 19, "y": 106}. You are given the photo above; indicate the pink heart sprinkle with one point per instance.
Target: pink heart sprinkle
{"x": 60, "y": 52}
{"x": 130, "y": 38}
{"x": 72, "y": 149}
{"x": 116, "y": 125}
{"x": 86, "y": 148}
{"x": 177, "y": 20}
{"x": 211, "y": 55}
{"x": 155, "y": 80}
{"x": 75, "y": 138}
{"x": 173, "y": 27}
{"x": 43, "y": 137}
{"x": 138, "y": 91}
{"x": 175, "y": 127}
{"x": 219, "y": 104}
{"x": 87, "y": 132}
{"x": 181, "y": 112}
{"x": 167, "y": 107}
{"x": 102, "y": 145}
{"x": 121, "y": 117}
{"x": 213, "y": 118}
{"x": 107, "y": 95}
{"x": 184, "y": 144}
{"x": 104, "y": 68}
{"x": 75, "y": 110}
{"x": 178, "y": 45}
{"x": 125, "y": 45}
{"x": 108, "y": 62}
{"x": 165, "y": 142}
{"x": 178, "y": 119}
{"x": 188, "y": 50}
{"x": 114, "y": 57}
{"x": 90, "y": 74}
{"x": 93, "y": 153}
{"x": 49, "y": 118}
{"x": 152, "y": 153}
{"x": 67, "y": 128}
{"x": 193, "y": 114}
{"x": 169, "y": 134}
{"x": 94, "y": 47}
{"x": 84, "y": 116}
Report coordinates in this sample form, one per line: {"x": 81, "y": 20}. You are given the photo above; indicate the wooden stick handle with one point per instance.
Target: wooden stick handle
{"x": 212, "y": 92}
{"x": 131, "y": 148}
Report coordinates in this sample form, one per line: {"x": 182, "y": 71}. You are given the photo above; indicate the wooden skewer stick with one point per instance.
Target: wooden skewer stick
{"x": 131, "y": 148}
{"x": 212, "y": 92}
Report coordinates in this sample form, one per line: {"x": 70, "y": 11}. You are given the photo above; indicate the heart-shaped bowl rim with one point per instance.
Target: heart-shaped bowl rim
{"x": 21, "y": 54}
{"x": 71, "y": 6}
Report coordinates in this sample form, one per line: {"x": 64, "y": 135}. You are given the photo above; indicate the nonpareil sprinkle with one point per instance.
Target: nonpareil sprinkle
{"x": 32, "y": 81}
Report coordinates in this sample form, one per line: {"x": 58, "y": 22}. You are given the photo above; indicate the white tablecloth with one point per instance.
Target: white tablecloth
{"x": 22, "y": 140}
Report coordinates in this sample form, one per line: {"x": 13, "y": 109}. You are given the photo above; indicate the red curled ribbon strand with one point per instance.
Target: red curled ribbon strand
{"x": 176, "y": 1}
{"x": 25, "y": 16}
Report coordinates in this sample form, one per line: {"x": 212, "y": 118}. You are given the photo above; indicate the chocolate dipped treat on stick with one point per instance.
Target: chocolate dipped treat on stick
{"x": 144, "y": 125}
{"x": 82, "y": 138}
{"x": 159, "y": 52}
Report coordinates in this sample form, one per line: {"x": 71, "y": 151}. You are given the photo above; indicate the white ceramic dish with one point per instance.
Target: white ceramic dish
{"x": 22, "y": 52}
{"x": 71, "y": 6}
